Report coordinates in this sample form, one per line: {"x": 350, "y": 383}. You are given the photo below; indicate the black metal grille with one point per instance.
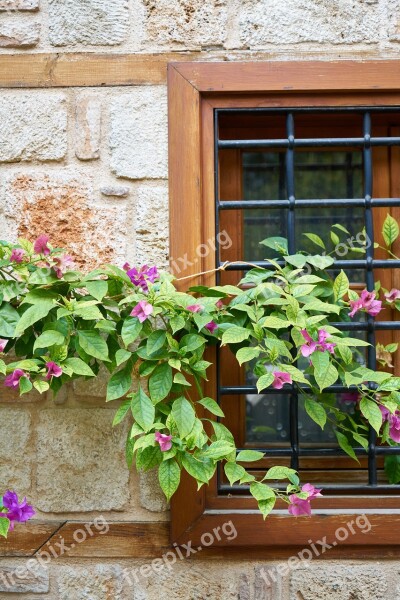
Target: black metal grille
{"x": 365, "y": 142}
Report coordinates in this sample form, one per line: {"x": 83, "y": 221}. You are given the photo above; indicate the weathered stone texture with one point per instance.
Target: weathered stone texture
{"x": 138, "y": 137}
{"x": 87, "y": 128}
{"x": 33, "y": 126}
{"x": 264, "y": 22}
{"x": 151, "y": 496}
{"x": 393, "y": 7}
{"x": 336, "y": 582}
{"x": 19, "y": 34}
{"x": 116, "y": 191}
{"x": 18, "y": 579}
{"x": 89, "y": 22}
{"x": 19, "y": 5}
{"x": 81, "y": 464}
{"x": 62, "y": 205}
{"x": 185, "y": 23}
{"x": 15, "y": 455}
{"x": 101, "y": 582}
{"x": 267, "y": 583}
{"x": 151, "y": 225}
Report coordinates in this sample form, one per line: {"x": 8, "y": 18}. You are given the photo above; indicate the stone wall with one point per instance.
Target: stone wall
{"x": 89, "y": 167}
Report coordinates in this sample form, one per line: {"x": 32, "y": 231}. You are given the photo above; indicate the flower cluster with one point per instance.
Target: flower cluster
{"x": 141, "y": 277}
{"x": 311, "y": 345}
{"x": 12, "y": 511}
{"x": 394, "y": 423}
{"x": 300, "y": 505}
{"x": 367, "y": 302}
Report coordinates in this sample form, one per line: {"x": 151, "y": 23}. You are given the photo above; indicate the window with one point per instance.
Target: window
{"x": 277, "y": 159}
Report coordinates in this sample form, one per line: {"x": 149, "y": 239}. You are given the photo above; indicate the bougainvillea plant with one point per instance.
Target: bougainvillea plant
{"x": 58, "y": 324}
{"x": 12, "y": 511}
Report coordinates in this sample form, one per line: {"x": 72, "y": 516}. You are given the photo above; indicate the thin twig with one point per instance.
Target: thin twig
{"x": 221, "y": 268}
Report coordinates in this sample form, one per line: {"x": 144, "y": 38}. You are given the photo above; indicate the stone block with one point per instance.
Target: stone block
{"x": 98, "y": 582}
{"x": 15, "y": 450}
{"x": 152, "y": 225}
{"x": 138, "y": 136}
{"x": 81, "y": 462}
{"x": 265, "y": 22}
{"x": 88, "y": 22}
{"x": 28, "y": 5}
{"x": 18, "y": 579}
{"x": 33, "y": 126}
{"x": 87, "y": 128}
{"x": 335, "y": 582}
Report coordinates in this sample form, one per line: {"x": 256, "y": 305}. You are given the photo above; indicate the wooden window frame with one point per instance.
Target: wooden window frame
{"x": 194, "y": 91}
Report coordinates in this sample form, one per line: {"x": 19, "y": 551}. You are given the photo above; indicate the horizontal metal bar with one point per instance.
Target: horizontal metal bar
{"x": 310, "y": 109}
{"x": 382, "y": 450}
{"x": 304, "y": 203}
{"x": 339, "y": 264}
{"x": 232, "y": 390}
{"x": 360, "y": 326}
{"x": 376, "y": 489}
{"x": 308, "y": 143}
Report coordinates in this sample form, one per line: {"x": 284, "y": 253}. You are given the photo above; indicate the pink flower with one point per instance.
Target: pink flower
{"x": 366, "y": 301}
{"x": 142, "y": 276}
{"x": 312, "y": 491}
{"x": 394, "y": 423}
{"x": 40, "y": 246}
{"x": 392, "y": 295}
{"x": 350, "y": 397}
{"x": 142, "y": 310}
{"x": 219, "y": 304}
{"x": 280, "y": 378}
{"x": 126, "y": 266}
{"x": 302, "y": 506}
{"x": 311, "y": 345}
{"x": 17, "y": 512}
{"x": 194, "y": 308}
{"x": 12, "y": 380}
{"x": 164, "y": 441}
{"x": 17, "y": 255}
{"x": 53, "y": 370}
{"x": 3, "y": 344}
{"x": 62, "y": 264}
{"x": 211, "y": 326}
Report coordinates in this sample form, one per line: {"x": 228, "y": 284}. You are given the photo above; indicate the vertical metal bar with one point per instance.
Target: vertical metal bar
{"x": 369, "y": 228}
{"x": 216, "y": 193}
{"x": 291, "y": 233}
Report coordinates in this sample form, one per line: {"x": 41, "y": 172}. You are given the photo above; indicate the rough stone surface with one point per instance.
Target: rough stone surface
{"x": 62, "y": 204}
{"x": 15, "y": 456}
{"x": 89, "y": 22}
{"x": 33, "y": 126}
{"x": 186, "y": 23}
{"x": 81, "y": 464}
{"x": 151, "y": 225}
{"x": 138, "y": 137}
{"x": 19, "y": 35}
{"x": 18, "y": 579}
{"x": 264, "y": 22}
{"x": 92, "y": 388}
{"x": 118, "y": 191}
{"x": 101, "y": 582}
{"x": 87, "y": 128}
{"x": 267, "y": 583}
{"x": 151, "y": 496}
{"x": 19, "y": 5}
{"x": 393, "y": 8}
{"x": 336, "y": 582}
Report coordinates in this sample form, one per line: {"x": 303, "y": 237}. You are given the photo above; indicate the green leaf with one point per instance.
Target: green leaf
{"x": 169, "y": 475}
{"x": 315, "y": 411}
{"x": 201, "y": 470}
{"x": 315, "y": 239}
{"x": 279, "y": 244}
{"x": 148, "y": 458}
{"x": 177, "y": 323}
{"x": 249, "y": 456}
{"x": 131, "y": 329}
{"x": 261, "y": 491}
{"x": 340, "y": 285}
{"x": 218, "y": 450}
{"x": 49, "y": 338}
{"x": 143, "y": 409}
{"x": 246, "y": 354}
{"x": 160, "y": 382}
{"x": 8, "y": 320}
{"x": 212, "y": 406}
{"x": 3, "y": 368}
{"x": 335, "y": 238}
{"x": 275, "y": 323}
{"x": 372, "y": 413}
{"x": 234, "y": 472}
{"x": 341, "y": 228}
{"x": 155, "y": 341}
{"x": 119, "y": 384}
{"x": 345, "y": 445}
{"x": 294, "y": 372}
{"x": 390, "y": 230}
{"x": 280, "y": 473}
{"x": 122, "y": 412}
{"x": 320, "y": 262}
{"x": 222, "y": 432}
{"x": 192, "y": 342}
{"x": 31, "y": 316}
{"x": 121, "y": 356}
{"x": 324, "y": 371}
{"x": 25, "y": 385}
{"x": 79, "y": 367}
{"x": 234, "y": 335}
{"x": 4, "y": 526}
{"x": 181, "y": 380}
{"x": 41, "y": 386}
{"x": 264, "y": 382}
{"x": 392, "y": 468}
{"x": 266, "y": 506}
{"x": 98, "y": 289}
{"x": 93, "y": 344}
{"x": 183, "y": 415}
